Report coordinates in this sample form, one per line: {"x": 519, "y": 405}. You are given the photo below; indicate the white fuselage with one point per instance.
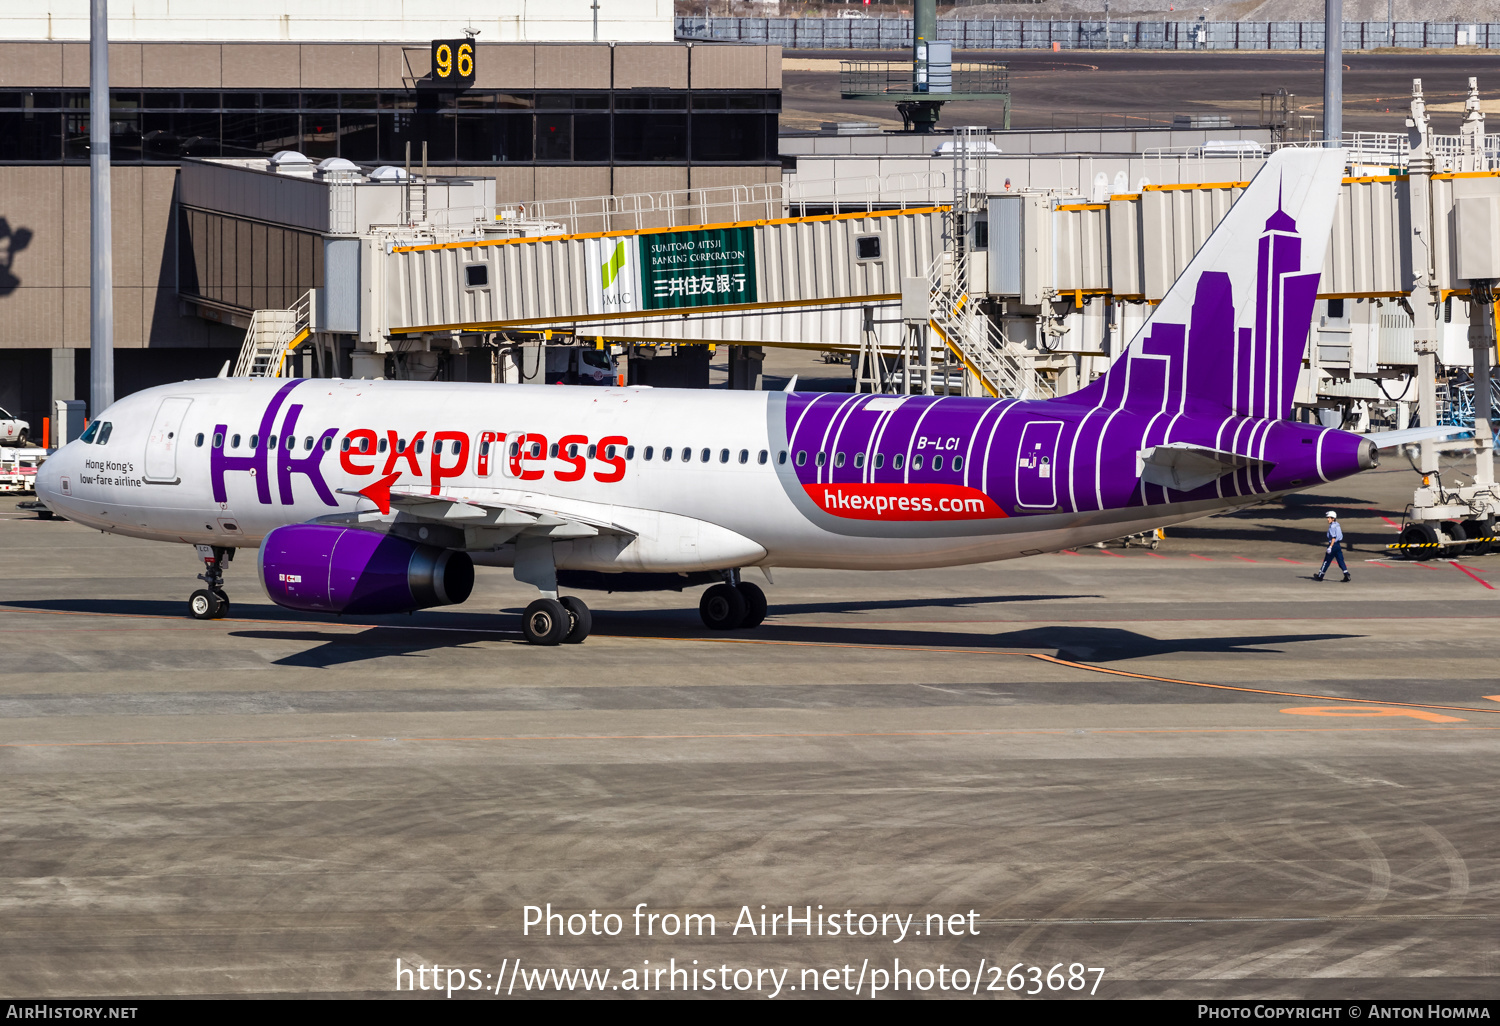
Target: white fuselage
{"x": 155, "y": 477}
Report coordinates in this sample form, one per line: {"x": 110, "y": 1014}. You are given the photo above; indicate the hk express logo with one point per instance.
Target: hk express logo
{"x": 528, "y": 459}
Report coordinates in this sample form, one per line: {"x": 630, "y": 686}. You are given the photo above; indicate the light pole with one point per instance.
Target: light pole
{"x": 1333, "y": 73}
{"x": 101, "y": 266}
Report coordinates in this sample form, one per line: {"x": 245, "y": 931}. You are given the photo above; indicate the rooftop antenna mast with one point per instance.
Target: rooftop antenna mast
{"x": 101, "y": 265}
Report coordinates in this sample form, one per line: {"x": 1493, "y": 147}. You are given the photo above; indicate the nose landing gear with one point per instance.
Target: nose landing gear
{"x": 211, "y": 603}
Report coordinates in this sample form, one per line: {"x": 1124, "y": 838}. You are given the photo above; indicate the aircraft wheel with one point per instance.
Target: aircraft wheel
{"x": 205, "y": 605}
{"x": 1422, "y": 538}
{"x": 223, "y": 601}
{"x": 581, "y": 621}
{"x": 722, "y": 608}
{"x": 755, "y": 605}
{"x": 545, "y": 622}
{"x": 1484, "y": 529}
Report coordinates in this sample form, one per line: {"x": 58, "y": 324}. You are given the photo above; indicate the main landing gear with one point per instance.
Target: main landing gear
{"x": 211, "y": 603}
{"x": 557, "y": 621}
{"x": 735, "y": 604}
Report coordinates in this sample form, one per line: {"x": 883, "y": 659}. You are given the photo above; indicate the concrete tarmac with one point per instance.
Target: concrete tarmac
{"x": 1193, "y": 768}
{"x": 1095, "y": 88}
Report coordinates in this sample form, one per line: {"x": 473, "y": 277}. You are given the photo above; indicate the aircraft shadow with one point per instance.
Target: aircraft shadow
{"x": 414, "y": 636}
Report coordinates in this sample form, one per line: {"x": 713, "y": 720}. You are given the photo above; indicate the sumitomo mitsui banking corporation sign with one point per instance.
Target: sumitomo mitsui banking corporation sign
{"x": 671, "y": 270}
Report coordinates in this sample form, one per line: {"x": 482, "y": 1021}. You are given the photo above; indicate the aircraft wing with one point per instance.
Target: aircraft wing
{"x": 1183, "y": 467}
{"x": 1409, "y": 436}
{"x": 490, "y": 516}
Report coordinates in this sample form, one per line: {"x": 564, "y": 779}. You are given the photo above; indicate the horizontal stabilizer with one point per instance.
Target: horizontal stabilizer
{"x": 1410, "y": 436}
{"x": 1184, "y": 467}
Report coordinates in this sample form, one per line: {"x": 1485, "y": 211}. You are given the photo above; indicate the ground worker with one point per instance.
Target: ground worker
{"x": 1335, "y": 539}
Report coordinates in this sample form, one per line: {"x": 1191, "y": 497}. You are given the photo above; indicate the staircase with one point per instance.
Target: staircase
{"x": 1001, "y": 368}
{"x": 272, "y": 335}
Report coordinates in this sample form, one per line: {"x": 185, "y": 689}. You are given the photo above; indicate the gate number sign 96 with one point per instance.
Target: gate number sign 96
{"x": 453, "y": 59}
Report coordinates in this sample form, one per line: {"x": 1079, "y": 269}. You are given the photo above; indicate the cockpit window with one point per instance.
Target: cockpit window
{"x": 88, "y": 434}
{"x": 104, "y": 430}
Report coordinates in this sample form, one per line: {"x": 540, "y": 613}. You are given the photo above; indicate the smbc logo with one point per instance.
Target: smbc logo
{"x": 610, "y": 274}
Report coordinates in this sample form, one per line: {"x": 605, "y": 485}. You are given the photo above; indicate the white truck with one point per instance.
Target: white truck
{"x": 18, "y": 468}
{"x": 13, "y": 430}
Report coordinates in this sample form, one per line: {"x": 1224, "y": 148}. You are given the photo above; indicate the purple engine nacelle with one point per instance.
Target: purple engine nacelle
{"x": 322, "y": 568}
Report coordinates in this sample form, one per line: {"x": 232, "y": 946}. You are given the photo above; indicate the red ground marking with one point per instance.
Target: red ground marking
{"x": 1195, "y": 555}
{"x": 1069, "y": 552}
{"x": 1156, "y": 555}
{"x": 1376, "y": 562}
{"x": 1463, "y": 569}
{"x": 1387, "y": 519}
{"x": 1106, "y": 552}
{"x": 1291, "y": 561}
{"x": 1244, "y": 559}
{"x": 1423, "y": 566}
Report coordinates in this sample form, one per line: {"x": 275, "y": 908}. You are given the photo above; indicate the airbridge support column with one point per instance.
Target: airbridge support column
{"x": 744, "y": 367}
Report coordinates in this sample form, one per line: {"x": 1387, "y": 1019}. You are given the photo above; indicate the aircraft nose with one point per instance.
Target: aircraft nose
{"x": 49, "y": 477}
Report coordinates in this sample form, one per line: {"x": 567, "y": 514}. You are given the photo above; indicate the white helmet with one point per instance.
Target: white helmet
{"x": 1331, "y": 515}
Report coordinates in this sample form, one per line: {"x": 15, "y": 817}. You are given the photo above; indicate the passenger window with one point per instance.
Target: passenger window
{"x": 899, "y": 461}
{"x": 649, "y": 452}
{"x": 89, "y": 433}
{"x": 536, "y": 449}
{"x": 666, "y": 454}
{"x": 343, "y": 446}
{"x": 104, "y": 430}
{"x": 307, "y": 444}
{"x": 484, "y": 448}
{"x": 879, "y": 460}
{"x": 198, "y": 440}
{"x": 364, "y": 445}
{"x": 838, "y": 459}
{"x": 703, "y": 456}
{"x": 328, "y": 443}
{"x": 255, "y": 441}
{"x": 609, "y": 452}
{"x": 744, "y": 455}
{"x": 937, "y": 463}
{"x": 781, "y": 458}
{"x": 593, "y": 450}
{"x": 958, "y": 463}
{"x": 687, "y": 455}
{"x": 822, "y": 459}
{"x": 629, "y": 452}
{"x": 859, "y": 459}
{"x": 801, "y": 458}
{"x": 218, "y": 439}
{"x": 515, "y": 448}
{"x": 234, "y": 443}
{"x": 291, "y": 443}
{"x": 380, "y": 446}
{"x": 422, "y": 444}
{"x": 271, "y": 442}
{"x": 766, "y": 455}
{"x": 552, "y": 451}
{"x": 916, "y": 462}
{"x": 723, "y": 455}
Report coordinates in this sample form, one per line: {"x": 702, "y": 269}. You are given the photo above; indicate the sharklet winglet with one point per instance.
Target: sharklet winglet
{"x": 378, "y": 492}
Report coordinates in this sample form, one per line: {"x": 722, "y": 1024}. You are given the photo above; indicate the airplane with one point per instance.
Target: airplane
{"x": 371, "y": 497}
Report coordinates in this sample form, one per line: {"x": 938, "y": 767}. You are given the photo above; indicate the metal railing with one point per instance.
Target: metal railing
{"x": 684, "y": 208}
{"x": 271, "y": 336}
{"x": 1016, "y": 34}
{"x": 1002, "y": 368}
{"x": 878, "y": 77}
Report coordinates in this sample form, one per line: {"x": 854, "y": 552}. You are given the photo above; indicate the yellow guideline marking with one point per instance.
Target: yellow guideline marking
{"x": 1373, "y": 710}
{"x": 1259, "y": 691}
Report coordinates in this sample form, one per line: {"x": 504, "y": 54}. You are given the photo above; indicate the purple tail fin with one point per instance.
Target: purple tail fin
{"x": 1231, "y": 331}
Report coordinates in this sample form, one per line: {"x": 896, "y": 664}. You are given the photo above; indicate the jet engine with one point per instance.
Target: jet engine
{"x": 322, "y": 568}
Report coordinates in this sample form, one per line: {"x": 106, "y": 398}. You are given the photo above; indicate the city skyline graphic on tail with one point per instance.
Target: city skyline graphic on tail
{"x": 1192, "y": 412}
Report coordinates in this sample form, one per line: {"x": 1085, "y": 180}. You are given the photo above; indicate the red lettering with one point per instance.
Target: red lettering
{"x": 617, "y": 460}
{"x": 346, "y": 456}
{"x": 409, "y": 455}
{"x": 579, "y": 463}
{"x": 524, "y": 451}
{"x": 438, "y": 470}
{"x": 487, "y": 442}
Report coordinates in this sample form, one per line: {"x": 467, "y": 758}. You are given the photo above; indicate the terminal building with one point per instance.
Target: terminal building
{"x": 550, "y": 103}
